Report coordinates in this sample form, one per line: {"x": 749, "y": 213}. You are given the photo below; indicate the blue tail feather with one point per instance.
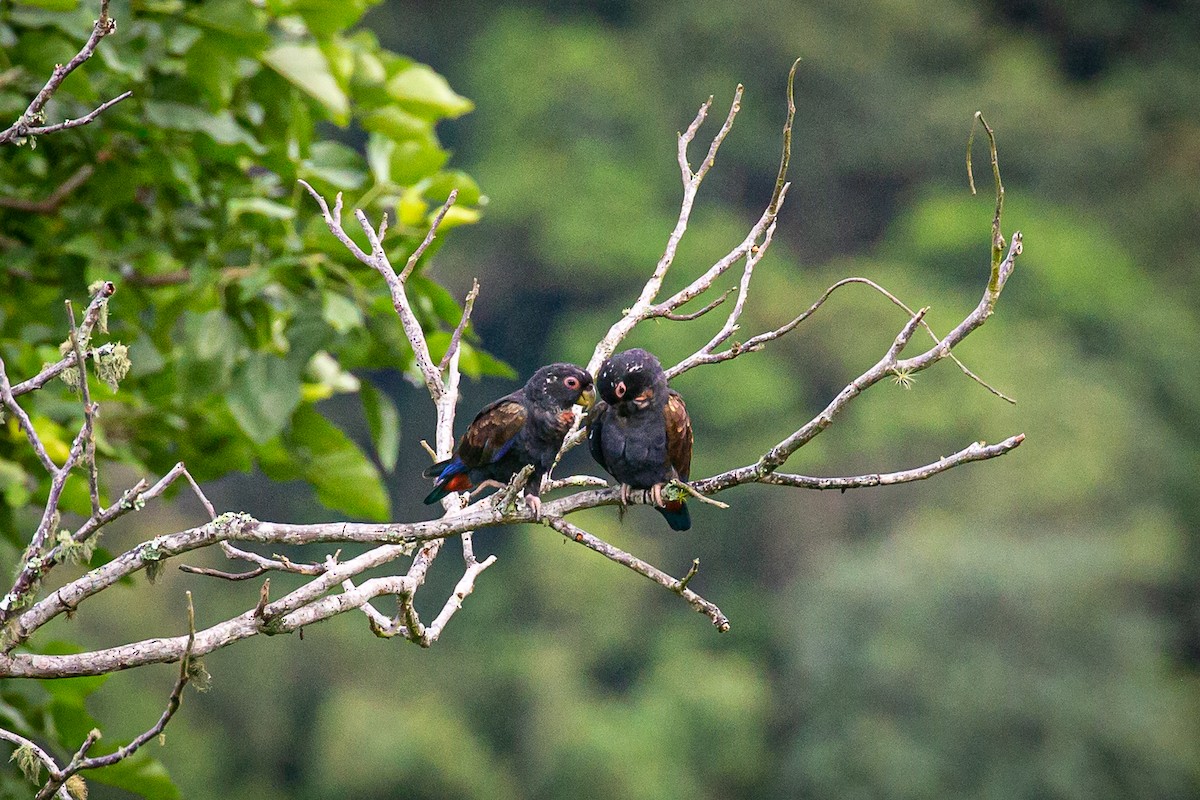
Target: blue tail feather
{"x": 439, "y": 469}
{"x": 679, "y": 519}
{"x": 445, "y": 472}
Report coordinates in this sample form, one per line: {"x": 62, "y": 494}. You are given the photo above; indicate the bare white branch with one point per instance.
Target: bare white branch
{"x": 977, "y": 451}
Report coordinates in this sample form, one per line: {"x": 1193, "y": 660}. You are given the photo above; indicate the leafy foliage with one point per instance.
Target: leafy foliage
{"x": 238, "y": 308}
{"x": 236, "y": 311}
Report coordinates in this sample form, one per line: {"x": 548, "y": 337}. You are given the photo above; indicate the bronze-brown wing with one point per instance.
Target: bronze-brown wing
{"x": 492, "y": 431}
{"x": 679, "y": 435}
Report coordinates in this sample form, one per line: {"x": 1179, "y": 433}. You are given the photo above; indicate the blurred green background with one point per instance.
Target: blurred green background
{"x": 1024, "y": 627}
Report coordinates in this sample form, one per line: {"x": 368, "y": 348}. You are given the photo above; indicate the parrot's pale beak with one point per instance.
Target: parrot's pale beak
{"x": 588, "y": 398}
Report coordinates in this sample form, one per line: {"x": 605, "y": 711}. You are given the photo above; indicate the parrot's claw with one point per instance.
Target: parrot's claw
{"x": 534, "y": 504}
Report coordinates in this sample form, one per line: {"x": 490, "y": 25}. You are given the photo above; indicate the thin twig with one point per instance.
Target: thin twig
{"x": 264, "y": 598}
{"x": 53, "y": 201}
{"x": 212, "y": 514}
{"x": 262, "y": 565}
{"x": 456, "y": 338}
{"x": 671, "y": 315}
{"x": 580, "y": 536}
{"x": 584, "y": 481}
{"x": 462, "y": 590}
{"x": 52, "y": 371}
{"x": 997, "y": 235}
{"x": 786, "y": 154}
{"x": 757, "y": 342}
{"x": 90, "y": 317}
{"x": 643, "y": 306}
{"x": 703, "y": 498}
{"x": 25, "y": 124}
{"x": 26, "y": 425}
{"x": 80, "y": 762}
{"x": 429, "y": 237}
{"x": 228, "y": 576}
{"x": 691, "y": 573}
{"x": 89, "y": 415}
{"x": 72, "y": 123}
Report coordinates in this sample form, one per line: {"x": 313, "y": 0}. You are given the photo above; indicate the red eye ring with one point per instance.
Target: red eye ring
{"x": 620, "y": 389}
{"x": 571, "y": 382}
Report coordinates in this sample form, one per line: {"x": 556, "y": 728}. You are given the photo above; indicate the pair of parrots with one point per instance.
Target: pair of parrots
{"x": 639, "y": 432}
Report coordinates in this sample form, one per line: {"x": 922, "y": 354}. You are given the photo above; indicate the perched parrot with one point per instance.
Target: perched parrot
{"x": 525, "y": 427}
{"x": 640, "y": 432}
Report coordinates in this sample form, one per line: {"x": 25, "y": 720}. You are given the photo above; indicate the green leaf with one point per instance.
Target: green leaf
{"x": 213, "y": 335}
{"x": 220, "y": 127}
{"x": 51, "y": 5}
{"x": 443, "y": 304}
{"x": 443, "y": 183}
{"x": 456, "y": 215}
{"x": 211, "y": 345}
{"x": 305, "y": 67}
{"x": 384, "y": 422}
{"x": 76, "y": 497}
{"x": 342, "y": 313}
{"x": 265, "y": 391}
{"x": 345, "y": 479}
{"x": 396, "y": 123}
{"x": 379, "y": 157}
{"x": 276, "y": 462}
{"x": 307, "y": 334}
{"x": 327, "y": 378}
{"x": 414, "y": 159}
{"x": 234, "y": 18}
{"x": 325, "y": 17}
{"x": 214, "y": 69}
{"x": 258, "y": 205}
{"x": 423, "y": 91}
{"x": 14, "y": 484}
{"x": 67, "y": 707}
{"x": 335, "y": 164}
{"x": 141, "y": 774}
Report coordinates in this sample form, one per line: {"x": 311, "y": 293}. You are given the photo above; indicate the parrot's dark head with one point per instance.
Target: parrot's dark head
{"x": 634, "y": 379}
{"x": 560, "y": 386}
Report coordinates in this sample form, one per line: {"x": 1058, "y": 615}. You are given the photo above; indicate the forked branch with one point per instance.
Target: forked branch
{"x": 29, "y": 123}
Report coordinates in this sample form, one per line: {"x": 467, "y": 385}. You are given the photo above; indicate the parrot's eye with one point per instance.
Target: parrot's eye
{"x": 571, "y": 382}
{"x": 620, "y": 389}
